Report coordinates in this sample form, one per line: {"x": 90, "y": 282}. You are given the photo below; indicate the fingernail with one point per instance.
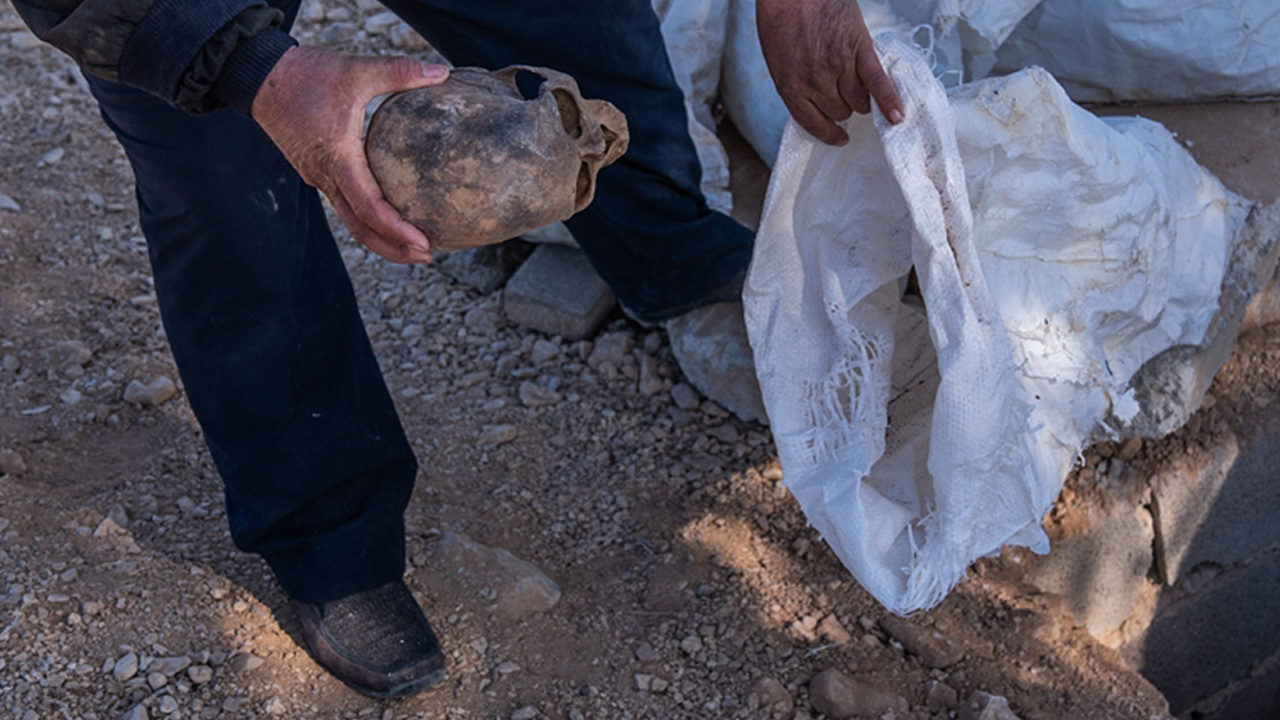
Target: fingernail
{"x": 895, "y": 116}
{"x": 434, "y": 72}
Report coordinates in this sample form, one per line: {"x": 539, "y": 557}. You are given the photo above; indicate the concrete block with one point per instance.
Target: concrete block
{"x": 1222, "y": 508}
{"x": 1098, "y": 562}
{"x": 485, "y": 268}
{"x": 1200, "y": 642}
{"x": 557, "y": 291}
{"x": 1256, "y": 697}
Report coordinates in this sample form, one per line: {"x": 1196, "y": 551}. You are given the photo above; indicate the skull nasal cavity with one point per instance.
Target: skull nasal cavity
{"x": 570, "y": 113}
{"x": 583, "y": 189}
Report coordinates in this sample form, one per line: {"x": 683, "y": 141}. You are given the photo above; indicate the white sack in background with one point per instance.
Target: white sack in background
{"x": 1152, "y": 50}
{"x": 1056, "y": 253}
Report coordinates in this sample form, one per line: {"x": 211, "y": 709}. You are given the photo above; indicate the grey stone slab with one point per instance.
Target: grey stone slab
{"x": 1222, "y": 509}
{"x": 710, "y": 344}
{"x": 557, "y": 292}
{"x": 1199, "y": 643}
{"x": 1100, "y": 568}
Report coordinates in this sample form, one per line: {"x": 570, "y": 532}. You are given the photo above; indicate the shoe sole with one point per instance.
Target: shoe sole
{"x": 402, "y": 690}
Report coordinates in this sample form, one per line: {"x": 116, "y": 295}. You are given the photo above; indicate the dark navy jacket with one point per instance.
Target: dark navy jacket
{"x": 197, "y": 54}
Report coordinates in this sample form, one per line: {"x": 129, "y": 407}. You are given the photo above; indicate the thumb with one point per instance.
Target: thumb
{"x": 379, "y": 76}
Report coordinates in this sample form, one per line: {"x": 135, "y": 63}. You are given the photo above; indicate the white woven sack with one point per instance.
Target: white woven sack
{"x": 1071, "y": 252}
{"x": 1152, "y": 50}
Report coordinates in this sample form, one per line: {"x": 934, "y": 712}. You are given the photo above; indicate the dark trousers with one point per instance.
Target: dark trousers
{"x": 262, "y": 319}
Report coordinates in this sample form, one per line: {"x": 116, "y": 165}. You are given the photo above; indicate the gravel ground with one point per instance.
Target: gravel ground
{"x": 676, "y": 576}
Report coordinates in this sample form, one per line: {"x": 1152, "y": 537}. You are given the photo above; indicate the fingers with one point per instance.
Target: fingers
{"x": 875, "y": 80}
{"x": 832, "y": 104}
{"x": 379, "y": 76}
{"x": 854, "y": 93}
{"x": 389, "y": 248}
{"x": 366, "y": 201}
{"x": 818, "y": 123}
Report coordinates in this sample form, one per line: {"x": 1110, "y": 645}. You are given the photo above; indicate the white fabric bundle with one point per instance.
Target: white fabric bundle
{"x": 1152, "y": 50}
{"x": 1056, "y": 254}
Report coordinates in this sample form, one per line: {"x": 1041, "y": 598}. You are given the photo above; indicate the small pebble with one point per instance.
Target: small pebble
{"x": 151, "y": 394}
{"x": 11, "y": 463}
{"x": 245, "y": 662}
{"x": 200, "y": 674}
{"x": 646, "y": 653}
{"x": 126, "y": 667}
{"x": 685, "y": 397}
{"x": 496, "y": 435}
{"x": 691, "y": 645}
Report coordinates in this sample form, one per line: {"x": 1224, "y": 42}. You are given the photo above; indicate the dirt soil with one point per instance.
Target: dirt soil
{"x": 692, "y": 586}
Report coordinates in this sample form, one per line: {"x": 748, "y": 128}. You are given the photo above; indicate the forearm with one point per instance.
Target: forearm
{"x": 196, "y": 55}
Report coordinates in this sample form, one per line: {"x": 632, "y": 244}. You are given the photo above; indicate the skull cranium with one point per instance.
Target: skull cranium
{"x": 475, "y": 160}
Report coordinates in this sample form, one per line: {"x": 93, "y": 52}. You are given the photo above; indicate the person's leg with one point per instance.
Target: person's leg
{"x": 263, "y": 324}
{"x": 649, "y": 232}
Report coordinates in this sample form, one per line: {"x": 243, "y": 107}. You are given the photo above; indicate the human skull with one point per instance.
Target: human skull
{"x": 475, "y": 161}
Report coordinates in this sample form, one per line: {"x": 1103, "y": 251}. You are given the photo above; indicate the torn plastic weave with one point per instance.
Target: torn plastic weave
{"x": 1056, "y": 254}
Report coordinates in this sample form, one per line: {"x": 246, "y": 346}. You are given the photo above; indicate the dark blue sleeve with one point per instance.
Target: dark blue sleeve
{"x": 248, "y": 66}
{"x": 196, "y": 54}
{"x": 199, "y": 55}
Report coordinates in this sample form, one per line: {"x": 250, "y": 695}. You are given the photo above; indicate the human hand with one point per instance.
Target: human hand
{"x": 312, "y": 107}
{"x": 824, "y": 64}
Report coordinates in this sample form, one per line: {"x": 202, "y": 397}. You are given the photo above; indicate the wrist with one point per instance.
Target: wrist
{"x": 248, "y": 67}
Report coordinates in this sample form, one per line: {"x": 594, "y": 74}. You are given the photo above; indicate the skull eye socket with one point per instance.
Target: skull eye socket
{"x": 570, "y": 114}
{"x": 529, "y": 84}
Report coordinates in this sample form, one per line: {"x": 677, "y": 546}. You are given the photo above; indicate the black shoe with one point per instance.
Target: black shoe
{"x": 378, "y": 642}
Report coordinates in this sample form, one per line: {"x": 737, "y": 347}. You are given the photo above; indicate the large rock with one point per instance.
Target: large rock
{"x": 516, "y": 587}
{"x": 839, "y": 696}
{"x": 710, "y": 344}
{"x": 933, "y": 648}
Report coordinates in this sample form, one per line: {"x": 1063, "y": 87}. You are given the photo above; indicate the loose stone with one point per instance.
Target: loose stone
{"x": 125, "y": 668}
{"x": 496, "y": 435}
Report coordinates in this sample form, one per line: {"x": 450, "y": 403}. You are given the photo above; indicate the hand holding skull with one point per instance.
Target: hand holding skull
{"x": 824, "y": 64}
{"x": 312, "y": 107}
